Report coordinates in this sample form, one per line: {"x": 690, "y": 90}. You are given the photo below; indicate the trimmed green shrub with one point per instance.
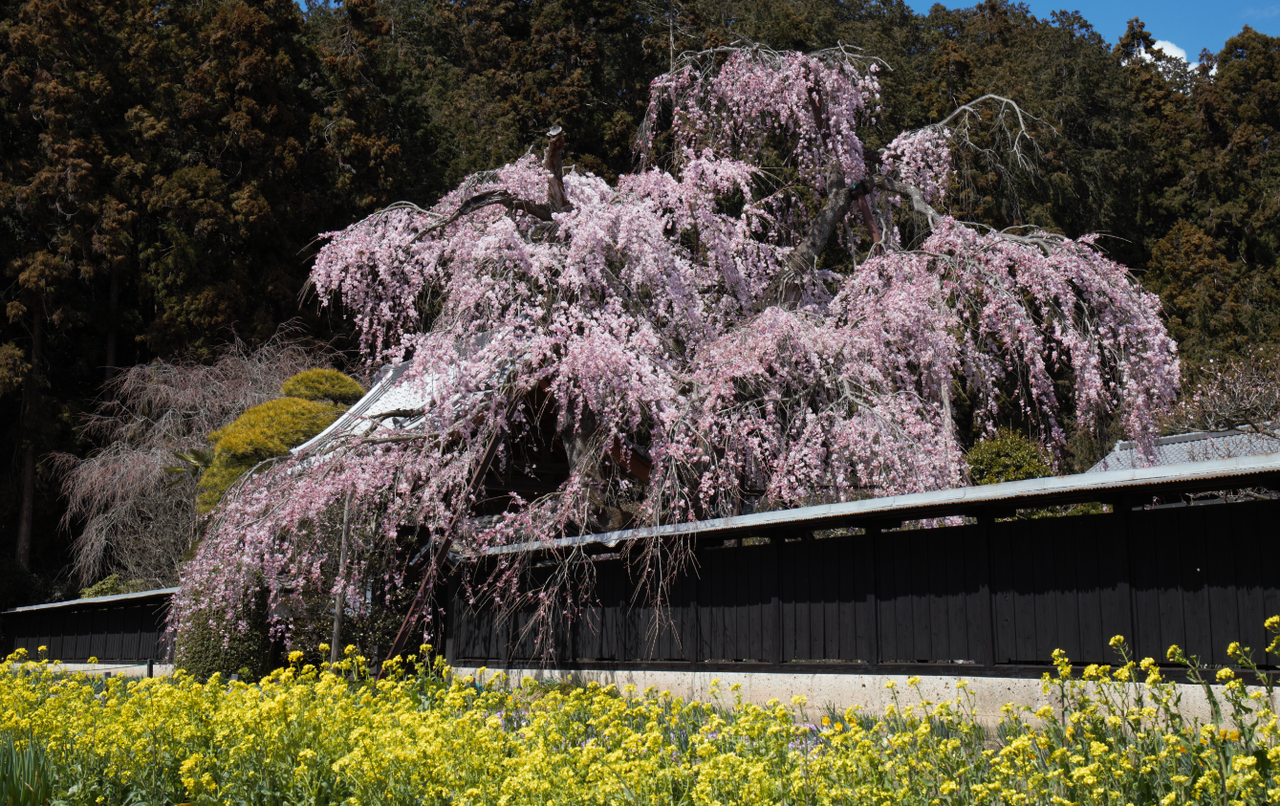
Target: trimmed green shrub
{"x": 323, "y": 384}
{"x": 262, "y": 432}
{"x": 1008, "y": 456}
{"x": 315, "y": 398}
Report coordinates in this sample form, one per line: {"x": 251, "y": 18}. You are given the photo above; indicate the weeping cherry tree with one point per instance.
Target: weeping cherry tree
{"x": 740, "y": 324}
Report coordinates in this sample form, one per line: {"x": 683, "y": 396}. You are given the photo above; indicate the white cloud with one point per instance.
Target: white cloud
{"x": 1174, "y": 51}
{"x": 1171, "y": 49}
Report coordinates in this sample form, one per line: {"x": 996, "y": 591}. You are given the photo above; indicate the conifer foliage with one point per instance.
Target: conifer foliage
{"x": 736, "y": 326}
{"x": 161, "y": 167}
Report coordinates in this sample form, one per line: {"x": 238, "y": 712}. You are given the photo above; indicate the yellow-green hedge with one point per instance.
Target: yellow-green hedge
{"x": 264, "y": 431}
{"x": 323, "y": 384}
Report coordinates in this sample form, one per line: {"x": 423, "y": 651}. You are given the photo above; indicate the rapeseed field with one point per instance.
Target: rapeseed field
{"x": 308, "y": 735}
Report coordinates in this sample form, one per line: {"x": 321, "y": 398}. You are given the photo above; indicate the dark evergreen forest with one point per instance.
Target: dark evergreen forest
{"x": 165, "y": 168}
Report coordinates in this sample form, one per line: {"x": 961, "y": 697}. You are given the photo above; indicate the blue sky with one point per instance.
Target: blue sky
{"x": 1188, "y": 25}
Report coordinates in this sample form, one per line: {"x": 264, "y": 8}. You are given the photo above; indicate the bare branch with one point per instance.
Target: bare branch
{"x": 963, "y": 119}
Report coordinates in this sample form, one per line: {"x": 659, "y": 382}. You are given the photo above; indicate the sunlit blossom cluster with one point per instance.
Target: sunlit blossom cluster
{"x": 921, "y": 158}
{"x": 815, "y": 103}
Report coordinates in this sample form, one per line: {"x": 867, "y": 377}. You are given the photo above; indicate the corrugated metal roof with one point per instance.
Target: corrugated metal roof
{"x": 98, "y": 600}
{"x": 942, "y": 503}
{"x": 1200, "y": 446}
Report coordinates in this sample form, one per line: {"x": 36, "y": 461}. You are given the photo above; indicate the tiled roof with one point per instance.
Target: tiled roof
{"x": 392, "y": 391}
{"x": 1200, "y": 446}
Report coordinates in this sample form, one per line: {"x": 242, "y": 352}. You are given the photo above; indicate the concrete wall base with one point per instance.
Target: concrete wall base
{"x": 113, "y": 669}
{"x": 869, "y": 693}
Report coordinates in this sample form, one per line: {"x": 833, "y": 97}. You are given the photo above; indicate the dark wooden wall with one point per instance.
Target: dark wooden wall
{"x": 997, "y": 596}
{"x": 132, "y": 630}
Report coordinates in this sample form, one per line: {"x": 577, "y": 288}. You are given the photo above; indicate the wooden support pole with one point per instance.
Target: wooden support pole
{"x": 340, "y": 599}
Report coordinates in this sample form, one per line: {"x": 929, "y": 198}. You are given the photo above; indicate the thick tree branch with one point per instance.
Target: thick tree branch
{"x": 1046, "y": 242}
{"x": 485, "y": 198}
{"x": 787, "y": 287}
{"x": 553, "y": 161}
{"x": 911, "y": 192}
{"x": 558, "y": 202}
{"x": 400, "y": 414}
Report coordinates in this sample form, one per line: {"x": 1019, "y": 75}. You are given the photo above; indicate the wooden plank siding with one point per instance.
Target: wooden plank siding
{"x": 124, "y": 631}
{"x": 945, "y": 600}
